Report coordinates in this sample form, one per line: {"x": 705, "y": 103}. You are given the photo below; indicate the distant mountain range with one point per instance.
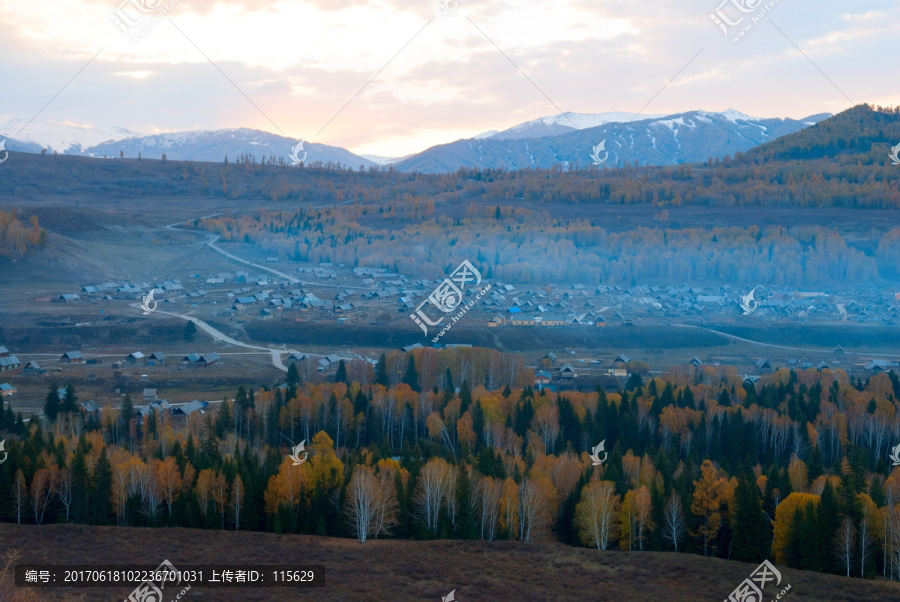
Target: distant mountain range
{"x": 568, "y": 139}
{"x": 197, "y": 145}
{"x": 690, "y": 137}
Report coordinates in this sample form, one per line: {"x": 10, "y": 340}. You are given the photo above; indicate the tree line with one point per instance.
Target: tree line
{"x": 795, "y": 467}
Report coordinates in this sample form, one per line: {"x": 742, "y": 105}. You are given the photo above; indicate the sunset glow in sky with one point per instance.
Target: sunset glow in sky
{"x": 454, "y": 74}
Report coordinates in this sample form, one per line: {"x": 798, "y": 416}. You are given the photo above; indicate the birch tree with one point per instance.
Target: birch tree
{"x": 845, "y": 543}
{"x": 673, "y": 523}
{"x": 433, "y": 490}
{"x": 595, "y": 514}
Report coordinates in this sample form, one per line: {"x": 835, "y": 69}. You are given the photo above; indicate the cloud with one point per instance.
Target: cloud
{"x": 414, "y": 76}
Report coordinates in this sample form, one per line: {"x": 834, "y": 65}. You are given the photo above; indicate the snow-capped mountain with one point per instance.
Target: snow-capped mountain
{"x": 199, "y": 145}
{"x": 690, "y": 137}
{"x": 214, "y": 145}
{"x": 563, "y": 123}
{"x": 65, "y": 138}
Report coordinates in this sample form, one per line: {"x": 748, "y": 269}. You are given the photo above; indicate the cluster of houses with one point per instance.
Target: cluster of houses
{"x": 580, "y": 306}
{"x": 203, "y": 360}
{"x": 323, "y": 364}
{"x": 90, "y": 409}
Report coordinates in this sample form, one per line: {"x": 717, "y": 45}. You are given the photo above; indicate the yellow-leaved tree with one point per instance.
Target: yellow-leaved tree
{"x": 595, "y": 514}
{"x": 784, "y": 515}
{"x": 711, "y": 495}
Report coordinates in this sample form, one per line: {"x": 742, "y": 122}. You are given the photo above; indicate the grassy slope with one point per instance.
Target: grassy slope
{"x": 404, "y": 570}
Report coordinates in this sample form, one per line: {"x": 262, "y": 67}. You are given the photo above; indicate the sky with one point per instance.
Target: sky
{"x": 393, "y": 77}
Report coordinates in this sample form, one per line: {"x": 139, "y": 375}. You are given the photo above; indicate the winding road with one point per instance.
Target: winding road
{"x": 218, "y": 335}
{"x": 737, "y": 338}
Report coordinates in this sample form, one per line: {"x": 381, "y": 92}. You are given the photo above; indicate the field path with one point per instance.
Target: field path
{"x": 211, "y": 243}
{"x": 737, "y": 338}
{"x": 218, "y": 335}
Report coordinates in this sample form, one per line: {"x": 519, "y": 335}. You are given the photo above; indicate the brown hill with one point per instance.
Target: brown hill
{"x": 410, "y": 570}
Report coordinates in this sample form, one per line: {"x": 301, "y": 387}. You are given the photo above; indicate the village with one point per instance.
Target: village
{"x": 344, "y": 295}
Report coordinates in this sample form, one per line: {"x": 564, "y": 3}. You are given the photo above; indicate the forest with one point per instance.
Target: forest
{"x": 840, "y": 162}
{"x": 456, "y": 444}
{"x": 16, "y": 237}
{"x": 532, "y": 247}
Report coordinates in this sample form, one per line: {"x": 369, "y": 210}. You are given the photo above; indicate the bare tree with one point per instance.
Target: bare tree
{"x": 21, "y": 495}
{"x": 546, "y": 424}
{"x": 535, "y": 507}
{"x": 371, "y": 503}
{"x": 237, "y": 499}
{"x": 43, "y": 485}
{"x": 595, "y": 514}
{"x": 673, "y": 521}
{"x": 865, "y": 539}
{"x": 487, "y": 493}
{"x": 64, "y": 489}
{"x": 432, "y": 490}
{"x": 845, "y": 543}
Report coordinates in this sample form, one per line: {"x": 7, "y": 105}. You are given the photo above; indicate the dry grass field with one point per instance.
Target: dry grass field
{"x": 411, "y": 570}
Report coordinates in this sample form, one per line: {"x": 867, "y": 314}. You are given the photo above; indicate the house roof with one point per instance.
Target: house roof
{"x": 72, "y": 355}
{"x": 208, "y": 358}
{"x": 136, "y": 355}
{"x": 157, "y": 355}
{"x": 191, "y": 407}
{"x": 6, "y": 387}
{"x": 191, "y": 357}
{"x": 88, "y": 406}
{"x": 9, "y": 361}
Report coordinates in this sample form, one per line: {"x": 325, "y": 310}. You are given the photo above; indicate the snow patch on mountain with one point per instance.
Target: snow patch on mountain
{"x": 61, "y": 136}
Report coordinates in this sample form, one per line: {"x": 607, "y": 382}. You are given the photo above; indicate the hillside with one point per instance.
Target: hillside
{"x": 690, "y": 137}
{"x": 855, "y": 133}
{"x": 420, "y": 570}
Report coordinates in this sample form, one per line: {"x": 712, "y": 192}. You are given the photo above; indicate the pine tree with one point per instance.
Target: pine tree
{"x": 190, "y": 331}
{"x": 465, "y": 397}
{"x": 829, "y": 520}
{"x": 465, "y": 523}
{"x": 448, "y": 382}
{"x": 70, "y": 401}
{"x": 101, "y": 494}
{"x": 411, "y": 376}
{"x": 53, "y": 404}
{"x": 126, "y": 415}
{"x": 381, "y": 377}
{"x": 293, "y": 376}
{"x": 340, "y": 376}
{"x": 240, "y": 398}
{"x": 751, "y": 531}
